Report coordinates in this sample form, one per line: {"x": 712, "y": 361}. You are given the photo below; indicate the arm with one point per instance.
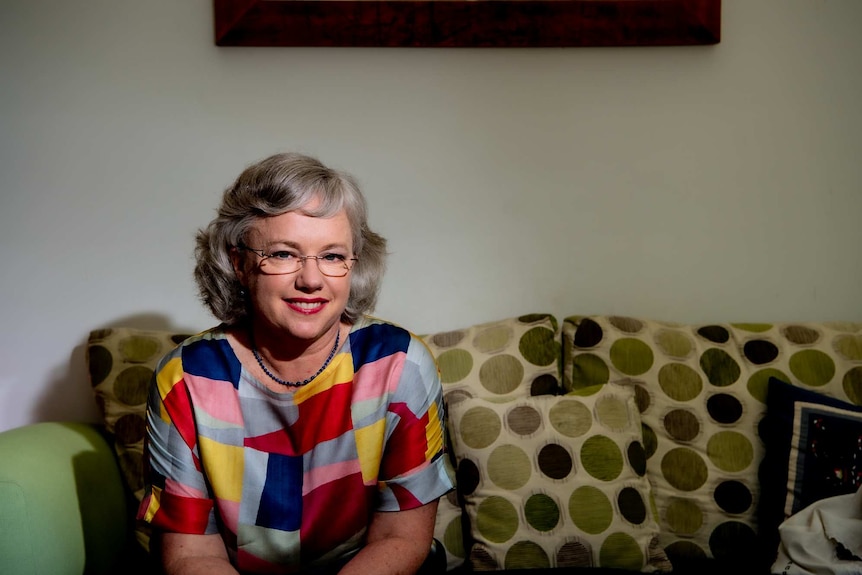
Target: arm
{"x": 184, "y": 554}
{"x": 413, "y": 470}
{"x": 177, "y": 501}
{"x": 397, "y": 544}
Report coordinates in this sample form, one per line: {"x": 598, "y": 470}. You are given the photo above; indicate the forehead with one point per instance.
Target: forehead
{"x": 298, "y": 228}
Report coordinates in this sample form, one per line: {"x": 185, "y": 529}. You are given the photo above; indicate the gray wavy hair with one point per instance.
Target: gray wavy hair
{"x": 276, "y": 185}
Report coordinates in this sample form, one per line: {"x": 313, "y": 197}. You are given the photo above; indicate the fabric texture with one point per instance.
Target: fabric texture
{"x": 270, "y": 471}
{"x": 508, "y": 358}
{"x": 813, "y": 452}
{"x": 824, "y": 538}
{"x": 449, "y": 529}
{"x": 701, "y": 390}
{"x": 556, "y": 482}
{"x": 514, "y": 357}
{"x": 63, "y": 508}
{"x": 121, "y": 362}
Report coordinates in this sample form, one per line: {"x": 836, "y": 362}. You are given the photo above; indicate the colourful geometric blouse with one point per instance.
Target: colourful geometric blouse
{"x": 290, "y": 480}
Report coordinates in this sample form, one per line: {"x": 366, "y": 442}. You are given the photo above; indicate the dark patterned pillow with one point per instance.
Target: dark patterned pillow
{"x": 813, "y": 451}
{"x": 556, "y": 481}
{"x": 121, "y": 362}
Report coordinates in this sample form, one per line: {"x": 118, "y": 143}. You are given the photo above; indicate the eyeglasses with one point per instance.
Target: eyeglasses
{"x": 285, "y": 262}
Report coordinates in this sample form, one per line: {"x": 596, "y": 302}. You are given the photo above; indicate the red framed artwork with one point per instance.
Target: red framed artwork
{"x": 467, "y": 23}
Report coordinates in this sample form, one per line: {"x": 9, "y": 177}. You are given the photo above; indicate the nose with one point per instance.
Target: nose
{"x": 309, "y": 277}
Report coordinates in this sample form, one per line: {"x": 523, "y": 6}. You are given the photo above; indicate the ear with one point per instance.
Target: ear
{"x": 237, "y": 260}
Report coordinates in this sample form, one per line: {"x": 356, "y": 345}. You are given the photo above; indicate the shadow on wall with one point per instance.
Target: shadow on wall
{"x": 70, "y": 396}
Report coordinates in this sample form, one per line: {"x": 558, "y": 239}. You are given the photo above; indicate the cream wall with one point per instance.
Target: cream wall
{"x": 693, "y": 184}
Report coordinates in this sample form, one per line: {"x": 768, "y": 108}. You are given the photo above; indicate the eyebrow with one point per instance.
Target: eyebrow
{"x": 297, "y": 247}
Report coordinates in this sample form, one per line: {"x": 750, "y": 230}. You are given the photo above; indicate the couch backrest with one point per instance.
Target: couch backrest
{"x": 702, "y": 393}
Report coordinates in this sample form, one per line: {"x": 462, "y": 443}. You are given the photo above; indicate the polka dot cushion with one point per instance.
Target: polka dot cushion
{"x": 556, "y": 482}
{"x": 448, "y": 530}
{"x": 514, "y": 357}
{"x": 701, "y": 390}
{"x": 121, "y": 362}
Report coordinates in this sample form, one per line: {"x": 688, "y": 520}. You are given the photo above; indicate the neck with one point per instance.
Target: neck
{"x": 280, "y": 346}
{"x": 300, "y": 360}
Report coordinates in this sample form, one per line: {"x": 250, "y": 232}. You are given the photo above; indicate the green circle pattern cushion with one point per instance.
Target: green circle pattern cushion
{"x": 701, "y": 391}
{"x": 514, "y": 357}
{"x": 121, "y": 362}
{"x": 556, "y": 481}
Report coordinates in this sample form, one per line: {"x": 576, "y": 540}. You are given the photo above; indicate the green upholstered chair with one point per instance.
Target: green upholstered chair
{"x": 63, "y": 507}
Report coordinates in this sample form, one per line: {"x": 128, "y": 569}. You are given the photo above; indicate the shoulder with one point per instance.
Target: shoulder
{"x": 370, "y": 323}
{"x": 373, "y": 338}
{"x": 207, "y": 353}
{"x": 385, "y": 336}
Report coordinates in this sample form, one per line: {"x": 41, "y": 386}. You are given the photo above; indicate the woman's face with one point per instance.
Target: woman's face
{"x": 305, "y": 304}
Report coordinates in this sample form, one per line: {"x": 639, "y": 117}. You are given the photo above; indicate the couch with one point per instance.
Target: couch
{"x": 600, "y": 444}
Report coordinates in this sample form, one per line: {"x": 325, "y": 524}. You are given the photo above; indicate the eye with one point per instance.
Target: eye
{"x": 282, "y": 256}
{"x": 333, "y": 258}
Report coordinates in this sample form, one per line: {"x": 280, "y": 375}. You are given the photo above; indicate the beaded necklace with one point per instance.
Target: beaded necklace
{"x": 294, "y": 383}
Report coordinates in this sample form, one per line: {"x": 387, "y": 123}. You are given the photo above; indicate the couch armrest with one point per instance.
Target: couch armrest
{"x": 63, "y": 508}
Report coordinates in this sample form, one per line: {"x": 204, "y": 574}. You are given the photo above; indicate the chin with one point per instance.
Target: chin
{"x": 310, "y": 329}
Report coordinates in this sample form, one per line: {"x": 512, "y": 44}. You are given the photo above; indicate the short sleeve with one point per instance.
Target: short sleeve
{"x": 176, "y": 497}
{"x": 415, "y": 469}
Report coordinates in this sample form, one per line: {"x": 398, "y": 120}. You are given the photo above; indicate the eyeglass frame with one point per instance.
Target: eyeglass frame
{"x": 302, "y": 259}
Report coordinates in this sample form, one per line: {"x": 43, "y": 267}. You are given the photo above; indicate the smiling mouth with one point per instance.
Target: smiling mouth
{"x": 306, "y": 306}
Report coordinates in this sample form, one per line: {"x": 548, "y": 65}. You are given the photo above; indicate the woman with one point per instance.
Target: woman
{"x": 300, "y": 435}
